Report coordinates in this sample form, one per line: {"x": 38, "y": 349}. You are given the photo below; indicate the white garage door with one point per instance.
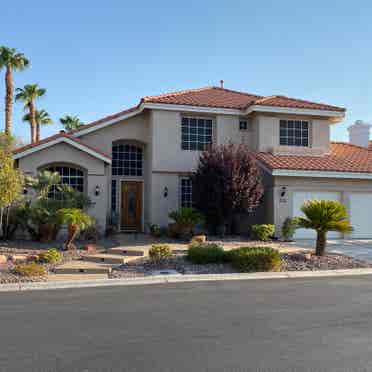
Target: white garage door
{"x": 360, "y": 215}
{"x": 298, "y": 200}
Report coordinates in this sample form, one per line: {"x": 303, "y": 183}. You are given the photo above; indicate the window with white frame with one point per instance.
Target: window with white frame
{"x": 71, "y": 176}
{"x": 196, "y": 133}
{"x": 294, "y": 133}
{"x": 186, "y": 192}
{"x": 127, "y": 160}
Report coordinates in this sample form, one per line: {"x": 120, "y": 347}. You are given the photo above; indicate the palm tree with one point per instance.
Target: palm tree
{"x": 70, "y": 122}
{"x": 323, "y": 216}
{"x": 42, "y": 118}
{"x": 28, "y": 94}
{"x": 76, "y": 220}
{"x": 11, "y": 61}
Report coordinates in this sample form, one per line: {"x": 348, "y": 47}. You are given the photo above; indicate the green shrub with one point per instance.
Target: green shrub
{"x": 205, "y": 253}
{"x": 160, "y": 252}
{"x": 248, "y": 259}
{"x": 262, "y": 232}
{"x": 289, "y": 228}
{"x": 30, "y": 269}
{"x": 185, "y": 220}
{"x": 50, "y": 256}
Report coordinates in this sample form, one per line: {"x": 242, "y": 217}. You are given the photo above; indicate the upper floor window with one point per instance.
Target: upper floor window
{"x": 294, "y": 133}
{"x": 73, "y": 177}
{"x": 127, "y": 160}
{"x": 196, "y": 133}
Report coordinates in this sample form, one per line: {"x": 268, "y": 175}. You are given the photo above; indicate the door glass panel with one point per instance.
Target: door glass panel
{"x": 131, "y": 204}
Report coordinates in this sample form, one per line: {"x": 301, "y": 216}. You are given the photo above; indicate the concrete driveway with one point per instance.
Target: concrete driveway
{"x": 359, "y": 249}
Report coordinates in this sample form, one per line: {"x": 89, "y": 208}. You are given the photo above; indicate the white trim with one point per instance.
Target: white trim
{"x": 296, "y": 111}
{"x": 187, "y": 108}
{"x": 321, "y": 174}
{"x": 93, "y": 128}
{"x": 79, "y": 146}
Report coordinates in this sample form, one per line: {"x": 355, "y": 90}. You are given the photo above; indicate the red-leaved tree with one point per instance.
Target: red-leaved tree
{"x": 227, "y": 181}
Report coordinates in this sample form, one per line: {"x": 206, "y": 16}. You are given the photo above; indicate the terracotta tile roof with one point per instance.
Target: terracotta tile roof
{"x": 208, "y": 96}
{"x": 282, "y": 101}
{"x": 343, "y": 157}
{"x": 56, "y": 136}
{"x": 370, "y": 145}
{"x": 226, "y": 98}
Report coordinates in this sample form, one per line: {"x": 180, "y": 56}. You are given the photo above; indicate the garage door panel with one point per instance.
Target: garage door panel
{"x": 299, "y": 198}
{"x": 360, "y": 215}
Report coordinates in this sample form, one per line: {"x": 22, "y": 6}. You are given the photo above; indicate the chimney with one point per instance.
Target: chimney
{"x": 359, "y": 133}
{"x": 221, "y": 83}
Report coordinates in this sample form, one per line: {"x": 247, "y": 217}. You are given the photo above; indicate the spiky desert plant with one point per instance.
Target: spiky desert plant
{"x": 323, "y": 216}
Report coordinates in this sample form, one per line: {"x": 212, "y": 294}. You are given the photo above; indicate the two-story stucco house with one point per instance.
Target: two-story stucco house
{"x": 136, "y": 164}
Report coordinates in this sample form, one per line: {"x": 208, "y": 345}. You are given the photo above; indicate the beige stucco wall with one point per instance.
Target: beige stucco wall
{"x": 161, "y": 206}
{"x": 95, "y": 172}
{"x": 268, "y": 135}
{"x": 344, "y": 186}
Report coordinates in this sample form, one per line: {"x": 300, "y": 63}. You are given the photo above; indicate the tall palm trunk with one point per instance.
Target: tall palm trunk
{"x": 8, "y": 100}
{"x": 32, "y": 109}
{"x": 72, "y": 231}
{"x": 37, "y": 132}
{"x": 321, "y": 241}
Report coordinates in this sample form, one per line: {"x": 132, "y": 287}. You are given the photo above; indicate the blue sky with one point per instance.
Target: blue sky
{"x": 96, "y": 58}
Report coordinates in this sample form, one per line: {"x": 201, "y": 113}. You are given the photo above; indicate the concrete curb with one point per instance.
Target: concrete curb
{"x": 165, "y": 279}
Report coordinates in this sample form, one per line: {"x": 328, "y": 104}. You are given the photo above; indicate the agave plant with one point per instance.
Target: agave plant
{"x": 323, "y": 216}
{"x": 76, "y": 220}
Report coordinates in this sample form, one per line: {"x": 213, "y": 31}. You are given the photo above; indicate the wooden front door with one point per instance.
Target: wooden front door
{"x": 131, "y": 206}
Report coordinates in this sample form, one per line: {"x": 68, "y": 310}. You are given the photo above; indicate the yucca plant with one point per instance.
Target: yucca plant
{"x": 323, "y": 216}
{"x": 76, "y": 220}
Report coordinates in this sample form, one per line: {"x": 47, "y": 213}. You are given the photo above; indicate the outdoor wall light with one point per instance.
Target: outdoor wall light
{"x": 165, "y": 191}
{"x": 97, "y": 191}
{"x": 283, "y": 192}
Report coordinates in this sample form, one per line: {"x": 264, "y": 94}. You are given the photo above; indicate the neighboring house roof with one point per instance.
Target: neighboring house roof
{"x": 59, "y": 138}
{"x": 343, "y": 157}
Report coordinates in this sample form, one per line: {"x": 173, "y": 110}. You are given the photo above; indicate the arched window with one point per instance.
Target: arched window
{"x": 73, "y": 177}
{"x": 127, "y": 160}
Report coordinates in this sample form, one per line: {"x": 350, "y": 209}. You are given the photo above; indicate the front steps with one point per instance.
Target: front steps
{"x": 99, "y": 263}
{"x": 111, "y": 259}
{"x": 83, "y": 267}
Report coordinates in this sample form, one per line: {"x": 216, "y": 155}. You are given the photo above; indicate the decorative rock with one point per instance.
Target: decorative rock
{"x": 307, "y": 256}
{"x": 199, "y": 239}
{"x": 90, "y": 248}
{"x": 18, "y": 258}
{"x": 3, "y": 259}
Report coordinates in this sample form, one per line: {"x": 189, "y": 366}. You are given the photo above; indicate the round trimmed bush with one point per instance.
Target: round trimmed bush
{"x": 160, "y": 252}
{"x": 262, "y": 232}
{"x": 249, "y": 259}
{"x": 205, "y": 253}
{"x": 30, "y": 269}
{"x": 50, "y": 256}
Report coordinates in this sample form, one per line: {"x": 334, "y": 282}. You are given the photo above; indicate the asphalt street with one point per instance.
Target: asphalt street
{"x": 258, "y": 325}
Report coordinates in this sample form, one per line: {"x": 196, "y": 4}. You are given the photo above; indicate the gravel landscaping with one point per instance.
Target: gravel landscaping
{"x": 290, "y": 262}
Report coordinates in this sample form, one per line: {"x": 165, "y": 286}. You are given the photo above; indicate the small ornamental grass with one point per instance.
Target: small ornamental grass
{"x": 160, "y": 252}
{"x": 50, "y": 256}
{"x": 30, "y": 269}
{"x": 250, "y": 259}
{"x": 205, "y": 253}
